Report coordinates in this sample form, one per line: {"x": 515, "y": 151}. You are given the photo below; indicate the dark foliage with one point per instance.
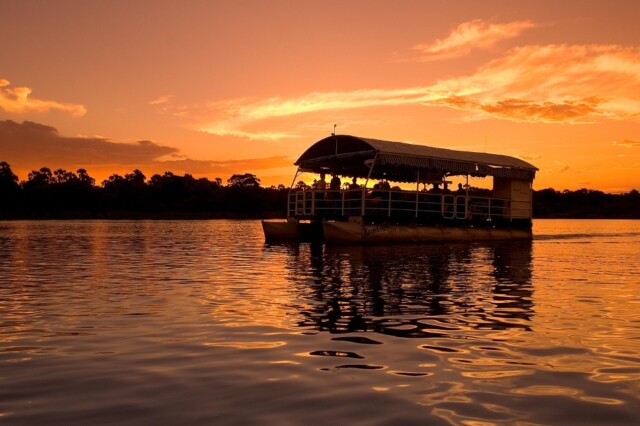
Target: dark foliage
{"x": 9, "y": 188}
{"x": 64, "y": 194}
{"x": 586, "y": 203}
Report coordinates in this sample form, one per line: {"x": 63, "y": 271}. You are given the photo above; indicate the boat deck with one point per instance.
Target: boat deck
{"x": 400, "y": 206}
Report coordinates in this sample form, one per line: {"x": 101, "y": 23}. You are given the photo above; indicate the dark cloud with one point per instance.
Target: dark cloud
{"x": 35, "y": 143}
{"x": 30, "y": 145}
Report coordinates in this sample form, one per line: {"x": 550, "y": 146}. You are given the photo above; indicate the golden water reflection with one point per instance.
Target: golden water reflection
{"x": 413, "y": 290}
{"x": 547, "y": 319}
{"x": 205, "y": 316}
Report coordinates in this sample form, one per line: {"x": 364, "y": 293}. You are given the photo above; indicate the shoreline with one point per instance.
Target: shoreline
{"x": 172, "y": 215}
{"x": 120, "y": 215}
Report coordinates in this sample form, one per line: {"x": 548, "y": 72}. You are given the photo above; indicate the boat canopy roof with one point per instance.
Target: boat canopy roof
{"x": 403, "y": 162}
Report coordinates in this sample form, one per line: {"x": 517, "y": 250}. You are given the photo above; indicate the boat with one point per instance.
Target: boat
{"x": 407, "y": 211}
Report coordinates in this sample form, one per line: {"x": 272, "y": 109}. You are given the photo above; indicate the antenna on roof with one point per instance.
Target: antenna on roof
{"x": 334, "y": 130}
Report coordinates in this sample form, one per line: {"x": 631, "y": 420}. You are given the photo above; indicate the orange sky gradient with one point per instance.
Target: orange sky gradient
{"x": 214, "y": 88}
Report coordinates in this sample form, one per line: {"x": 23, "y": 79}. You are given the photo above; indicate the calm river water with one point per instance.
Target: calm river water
{"x": 201, "y": 322}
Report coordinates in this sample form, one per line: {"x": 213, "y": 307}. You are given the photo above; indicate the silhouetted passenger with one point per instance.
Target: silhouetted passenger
{"x": 335, "y": 183}
{"x": 320, "y": 184}
{"x": 383, "y": 184}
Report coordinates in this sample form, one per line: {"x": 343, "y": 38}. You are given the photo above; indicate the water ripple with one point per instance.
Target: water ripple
{"x": 200, "y": 322}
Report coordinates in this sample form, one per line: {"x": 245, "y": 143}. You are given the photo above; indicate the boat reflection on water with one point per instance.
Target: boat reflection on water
{"x": 413, "y": 291}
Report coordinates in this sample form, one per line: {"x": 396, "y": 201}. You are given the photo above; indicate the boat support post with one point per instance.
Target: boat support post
{"x": 418, "y": 193}
{"x": 364, "y": 188}
{"x": 289, "y": 194}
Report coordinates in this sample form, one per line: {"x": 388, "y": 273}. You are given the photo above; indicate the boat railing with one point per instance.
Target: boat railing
{"x": 308, "y": 204}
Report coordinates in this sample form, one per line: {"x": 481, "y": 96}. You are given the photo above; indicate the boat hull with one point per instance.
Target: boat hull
{"x": 292, "y": 231}
{"x": 359, "y": 233}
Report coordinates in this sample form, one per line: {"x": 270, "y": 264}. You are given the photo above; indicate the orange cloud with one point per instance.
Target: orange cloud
{"x": 242, "y": 117}
{"x": 628, "y": 143}
{"x": 476, "y": 34}
{"x": 553, "y": 83}
{"x": 160, "y": 100}
{"x": 19, "y": 100}
{"x": 267, "y": 119}
{"x": 226, "y": 168}
{"x": 524, "y": 110}
{"x": 575, "y": 84}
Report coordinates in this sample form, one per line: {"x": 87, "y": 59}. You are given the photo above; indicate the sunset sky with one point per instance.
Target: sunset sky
{"x": 214, "y": 88}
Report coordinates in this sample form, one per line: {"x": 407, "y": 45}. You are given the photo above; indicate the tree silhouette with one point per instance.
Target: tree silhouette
{"x": 7, "y": 178}
{"x": 84, "y": 178}
{"x": 135, "y": 178}
{"x": 128, "y": 193}
{"x": 185, "y": 193}
{"x": 9, "y": 187}
{"x": 301, "y": 185}
{"x": 62, "y": 176}
{"x": 246, "y": 180}
{"x": 585, "y": 203}
{"x": 39, "y": 179}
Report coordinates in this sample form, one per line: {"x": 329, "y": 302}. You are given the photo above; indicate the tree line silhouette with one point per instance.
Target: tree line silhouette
{"x": 64, "y": 194}
{"x": 585, "y": 204}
